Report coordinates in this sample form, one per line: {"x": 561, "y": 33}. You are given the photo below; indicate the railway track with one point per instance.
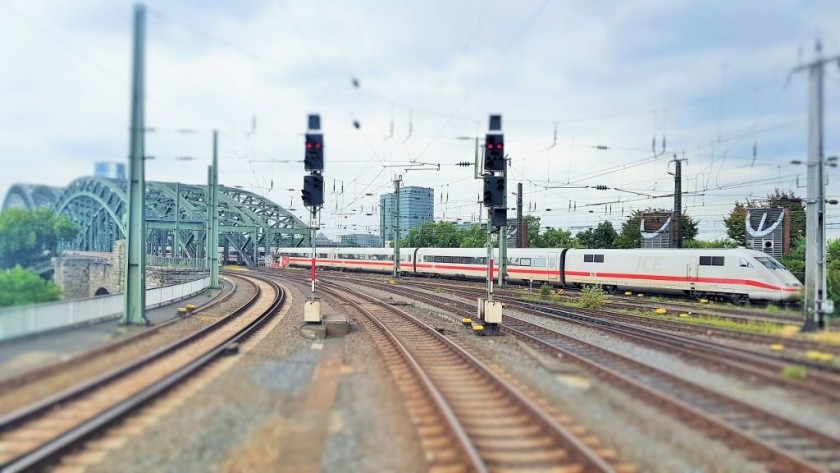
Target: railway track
{"x": 619, "y": 301}
{"x": 490, "y": 425}
{"x": 39, "y": 434}
{"x": 669, "y": 325}
{"x": 784, "y": 445}
{"x": 39, "y": 374}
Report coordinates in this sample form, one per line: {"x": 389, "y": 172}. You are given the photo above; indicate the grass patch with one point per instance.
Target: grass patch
{"x": 592, "y": 297}
{"x": 752, "y": 326}
{"x": 794, "y": 372}
{"x": 826, "y": 337}
{"x": 545, "y": 290}
{"x": 773, "y": 308}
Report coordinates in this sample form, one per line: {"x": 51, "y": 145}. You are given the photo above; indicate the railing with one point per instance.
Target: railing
{"x": 22, "y": 321}
{"x": 173, "y": 262}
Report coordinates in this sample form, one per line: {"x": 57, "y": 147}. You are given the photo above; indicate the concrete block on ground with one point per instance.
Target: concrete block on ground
{"x": 336, "y": 325}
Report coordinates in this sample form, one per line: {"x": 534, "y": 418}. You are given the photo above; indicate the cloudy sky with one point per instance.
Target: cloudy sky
{"x": 709, "y": 81}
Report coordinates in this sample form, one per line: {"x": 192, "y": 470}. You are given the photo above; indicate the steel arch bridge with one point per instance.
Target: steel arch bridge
{"x": 176, "y": 217}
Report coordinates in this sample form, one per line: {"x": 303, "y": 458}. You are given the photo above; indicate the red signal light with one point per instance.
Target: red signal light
{"x": 499, "y": 146}
{"x": 308, "y": 145}
{"x": 317, "y": 145}
{"x": 489, "y": 145}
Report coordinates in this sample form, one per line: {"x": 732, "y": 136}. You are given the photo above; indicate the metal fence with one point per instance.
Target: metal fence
{"x": 173, "y": 262}
{"x": 28, "y": 320}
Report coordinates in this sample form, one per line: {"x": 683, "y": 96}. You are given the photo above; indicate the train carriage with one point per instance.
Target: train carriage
{"x": 737, "y": 274}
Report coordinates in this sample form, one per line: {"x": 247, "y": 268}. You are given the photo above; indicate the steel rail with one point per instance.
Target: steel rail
{"x": 583, "y": 454}
{"x": 53, "y": 448}
{"x": 595, "y": 359}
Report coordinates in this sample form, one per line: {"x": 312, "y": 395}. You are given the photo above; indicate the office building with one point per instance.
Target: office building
{"x": 417, "y": 206}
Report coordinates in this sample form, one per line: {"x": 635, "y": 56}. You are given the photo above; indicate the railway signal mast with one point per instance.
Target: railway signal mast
{"x": 313, "y": 198}
{"x": 495, "y": 200}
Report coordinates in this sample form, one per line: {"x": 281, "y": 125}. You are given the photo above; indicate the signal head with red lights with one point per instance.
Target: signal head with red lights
{"x": 313, "y": 158}
{"x": 494, "y": 153}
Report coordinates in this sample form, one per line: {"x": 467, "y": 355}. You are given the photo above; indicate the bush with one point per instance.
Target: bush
{"x": 592, "y": 297}
{"x": 19, "y": 287}
{"x": 545, "y": 290}
{"x": 795, "y": 372}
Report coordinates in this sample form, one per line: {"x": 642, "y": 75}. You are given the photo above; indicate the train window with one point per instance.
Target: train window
{"x": 599, "y": 258}
{"x": 447, "y": 259}
{"x": 587, "y": 258}
{"x": 322, "y": 255}
{"x": 481, "y": 260}
{"x": 438, "y": 259}
{"x": 539, "y": 262}
{"x": 705, "y": 261}
{"x": 525, "y": 262}
{"x": 769, "y": 262}
{"x": 717, "y": 260}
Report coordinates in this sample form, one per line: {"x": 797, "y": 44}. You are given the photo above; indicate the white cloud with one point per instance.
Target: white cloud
{"x": 646, "y": 70}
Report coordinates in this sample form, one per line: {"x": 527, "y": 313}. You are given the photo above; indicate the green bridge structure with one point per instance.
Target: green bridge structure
{"x": 176, "y": 217}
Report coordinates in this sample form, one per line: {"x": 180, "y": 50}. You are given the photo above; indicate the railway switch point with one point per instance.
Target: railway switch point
{"x": 312, "y": 311}
{"x": 466, "y": 321}
{"x": 181, "y": 311}
{"x": 191, "y": 307}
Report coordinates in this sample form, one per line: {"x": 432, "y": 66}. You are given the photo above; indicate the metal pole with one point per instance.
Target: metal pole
{"x": 503, "y": 239}
{"x": 397, "y": 182}
{"x": 176, "y": 238}
{"x": 520, "y": 238}
{"x": 677, "y": 204}
{"x": 135, "y": 277}
{"x": 213, "y": 237}
{"x": 313, "y": 224}
{"x": 208, "y": 224}
{"x": 489, "y": 254}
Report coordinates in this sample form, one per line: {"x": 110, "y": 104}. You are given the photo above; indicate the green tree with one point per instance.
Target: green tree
{"x": 30, "y": 236}
{"x": 534, "y": 237}
{"x": 432, "y": 234}
{"x": 736, "y": 223}
{"x": 556, "y": 238}
{"x": 474, "y": 237}
{"x": 19, "y": 287}
{"x": 602, "y": 236}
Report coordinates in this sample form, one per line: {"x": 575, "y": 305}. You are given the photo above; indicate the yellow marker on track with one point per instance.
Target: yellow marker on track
{"x": 777, "y": 347}
{"x": 661, "y": 311}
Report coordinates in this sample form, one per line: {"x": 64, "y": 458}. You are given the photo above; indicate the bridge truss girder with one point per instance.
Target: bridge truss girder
{"x": 247, "y": 222}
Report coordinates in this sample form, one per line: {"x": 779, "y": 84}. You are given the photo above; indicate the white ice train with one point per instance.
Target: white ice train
{"x": 736, "y": 274}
